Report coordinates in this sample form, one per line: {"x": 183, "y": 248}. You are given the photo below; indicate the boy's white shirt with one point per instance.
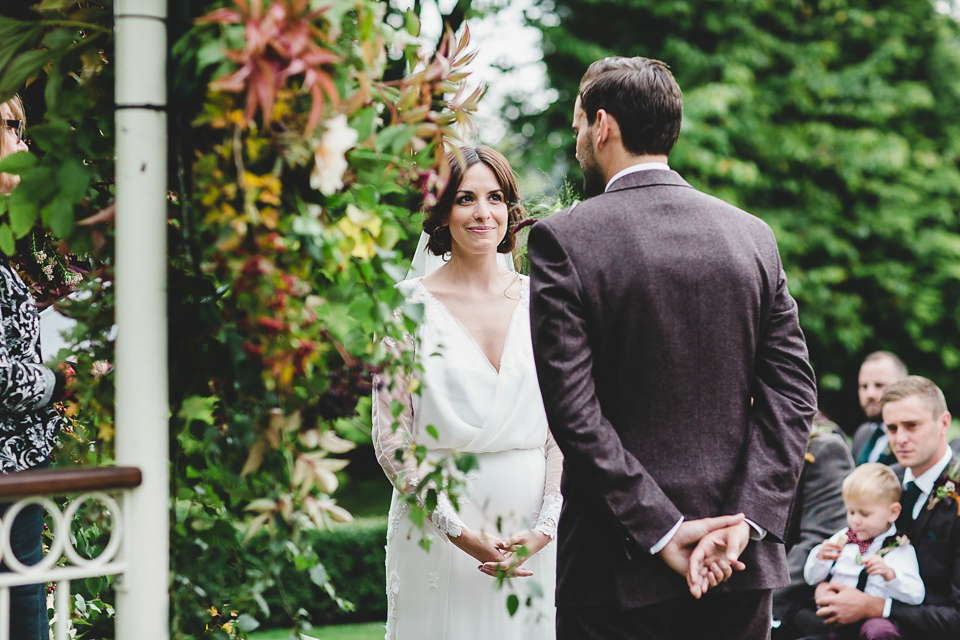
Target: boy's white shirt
{"x": 907, "y": 586}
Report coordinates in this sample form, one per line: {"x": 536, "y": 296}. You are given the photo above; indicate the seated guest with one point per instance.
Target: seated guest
{"x": 917, "y": 420}
{"x": 879, "y": 370}
{"x": 817, "y": 512}
{"x": 868, "y": 554}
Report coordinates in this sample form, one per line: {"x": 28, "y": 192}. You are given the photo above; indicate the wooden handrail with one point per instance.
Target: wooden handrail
{"x": 56, "y": 482}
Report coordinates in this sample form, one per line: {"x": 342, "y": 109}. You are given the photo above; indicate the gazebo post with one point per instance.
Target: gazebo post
{"x": 143, "y": 602}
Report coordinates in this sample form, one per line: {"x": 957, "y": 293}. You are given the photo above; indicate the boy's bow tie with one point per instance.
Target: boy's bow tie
{"x": 861, "y": 544}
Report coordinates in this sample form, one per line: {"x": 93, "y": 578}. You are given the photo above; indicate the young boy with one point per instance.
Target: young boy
{"x": 868, "y": 554}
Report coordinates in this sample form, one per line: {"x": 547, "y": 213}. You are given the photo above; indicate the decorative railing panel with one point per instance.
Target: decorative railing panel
{"x": 108, "y": 486}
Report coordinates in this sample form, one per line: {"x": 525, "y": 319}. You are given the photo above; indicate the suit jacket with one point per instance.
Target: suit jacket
{"x": 658, "y": 313}
{"x": 861, "y": 439}
{"x": 817, "y": 514}
{"x": 936, "y": 536}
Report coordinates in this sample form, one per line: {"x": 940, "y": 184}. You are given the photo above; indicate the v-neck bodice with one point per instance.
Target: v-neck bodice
{"x": 472, "y": 406}
{"x": 522, "y": 303}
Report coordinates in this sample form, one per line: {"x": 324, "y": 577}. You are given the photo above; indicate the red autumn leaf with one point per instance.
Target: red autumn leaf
{"x": 281, "y": 44}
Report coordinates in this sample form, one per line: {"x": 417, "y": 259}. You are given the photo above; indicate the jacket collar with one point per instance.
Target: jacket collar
{"x": 649, "y": 178}
{"x": 952, "y": 469}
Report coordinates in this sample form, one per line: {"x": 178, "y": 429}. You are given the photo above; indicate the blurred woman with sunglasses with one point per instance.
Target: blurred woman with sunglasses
{"x": 29, "y": 422}
{"x": 11, "y": 141}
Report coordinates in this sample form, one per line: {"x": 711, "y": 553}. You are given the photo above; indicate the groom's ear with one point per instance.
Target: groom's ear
{"x": 607, "y": 128}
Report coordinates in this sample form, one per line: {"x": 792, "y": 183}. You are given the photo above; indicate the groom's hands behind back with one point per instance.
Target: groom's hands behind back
{"x": 706, "y": 551}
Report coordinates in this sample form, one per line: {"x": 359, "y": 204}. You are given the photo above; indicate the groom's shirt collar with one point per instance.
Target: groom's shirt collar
{"x": 643, "y": 166}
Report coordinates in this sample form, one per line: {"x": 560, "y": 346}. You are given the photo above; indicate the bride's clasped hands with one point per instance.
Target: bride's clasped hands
{"x": 515, "y": 550}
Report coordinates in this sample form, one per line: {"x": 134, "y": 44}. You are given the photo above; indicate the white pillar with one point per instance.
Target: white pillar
{"x": 143, "y": 603}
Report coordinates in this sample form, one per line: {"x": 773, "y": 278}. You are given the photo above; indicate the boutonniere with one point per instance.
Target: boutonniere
{"x": 889, "y": 544}
{"x": 892, "y": 543}
{"x": 822, "y": 425}
{"x": 946, "y": 488}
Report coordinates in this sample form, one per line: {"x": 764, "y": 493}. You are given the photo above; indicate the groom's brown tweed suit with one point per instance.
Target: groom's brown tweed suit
{"x": 658, "y": 313}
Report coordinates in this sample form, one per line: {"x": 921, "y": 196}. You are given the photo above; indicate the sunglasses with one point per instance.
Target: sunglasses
{"x": 16, "y": 125}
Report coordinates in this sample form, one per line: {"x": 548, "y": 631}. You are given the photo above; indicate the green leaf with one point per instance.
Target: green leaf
{"x": 94, "y": 584}
{"x": 15, "y": 36}
{"x": 7, "y": 244}
{"x": 468, "y": 462}
{"x": 364, "y": 122}
{"x": 23, "y": 213}
{"x": 73, "y": 178}
{"x": 513, "y": 603}
{"x": 367, "y": 196}
{"x": 60, "y": 39}
{"x": 412, "y": 22}
{"x": 432, "y": 432}
{"x": 318, "y": 575}
{"x": 51, "y": 91}
{"x": 201, "y": 524}
{"x": 394, "y": 137}
{"x": 18, "y": 162}
{"x": 21, "y": 68}
{"x": 59, "y": 5}
{"x": 58, "y": 215}
{"x": 37, "y": 184}
{"x": 198, "y": 408}
{"x": 247, "y": 622}
{"x": 51, "y": 135}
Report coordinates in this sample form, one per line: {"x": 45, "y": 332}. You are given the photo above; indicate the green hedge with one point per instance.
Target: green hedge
{"x": 353, "y": 556}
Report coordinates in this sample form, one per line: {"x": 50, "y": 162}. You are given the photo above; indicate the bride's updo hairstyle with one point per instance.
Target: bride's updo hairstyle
{"x": 435, "y": 223}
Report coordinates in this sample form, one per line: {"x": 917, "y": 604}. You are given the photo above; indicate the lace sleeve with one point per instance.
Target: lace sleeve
{"x": 392, "y": 438}
{"x": 549, "y": 514}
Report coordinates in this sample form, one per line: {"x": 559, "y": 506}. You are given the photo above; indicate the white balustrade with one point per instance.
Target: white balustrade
{"x": 62, "y": 562}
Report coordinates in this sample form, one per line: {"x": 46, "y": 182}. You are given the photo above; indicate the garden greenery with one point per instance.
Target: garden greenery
{"x": 303, "y": 138}
{"x": 835, "y": 122}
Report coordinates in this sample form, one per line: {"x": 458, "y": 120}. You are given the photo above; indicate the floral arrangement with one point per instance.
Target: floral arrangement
{"x": 947, "y": 490}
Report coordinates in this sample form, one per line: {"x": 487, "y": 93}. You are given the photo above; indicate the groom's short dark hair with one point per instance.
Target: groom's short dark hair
{"x": 641, "y": 95}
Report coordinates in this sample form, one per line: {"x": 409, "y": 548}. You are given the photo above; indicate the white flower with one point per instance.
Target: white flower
{"x": 330, "y": 163}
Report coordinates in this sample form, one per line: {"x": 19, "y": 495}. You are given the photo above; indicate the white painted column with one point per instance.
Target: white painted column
{"x": 143, "y": 602}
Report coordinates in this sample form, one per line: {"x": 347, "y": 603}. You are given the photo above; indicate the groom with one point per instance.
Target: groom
{"x": 675, "y": 379}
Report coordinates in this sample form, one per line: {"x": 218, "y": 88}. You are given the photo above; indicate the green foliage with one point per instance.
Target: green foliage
{"x": 836, "y": 123}
{"x": 290, "y": 202}
{"x": 352, "y": 556}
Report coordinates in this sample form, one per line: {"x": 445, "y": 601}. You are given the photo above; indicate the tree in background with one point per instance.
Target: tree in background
{"x": 835, "y": 122}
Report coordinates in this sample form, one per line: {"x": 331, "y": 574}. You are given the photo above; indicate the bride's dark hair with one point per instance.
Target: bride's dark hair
{"x": 435, "y": 222}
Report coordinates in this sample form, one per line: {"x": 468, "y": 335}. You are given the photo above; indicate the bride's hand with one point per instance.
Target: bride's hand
{"x": 516, "y": 549}
{"x": 478, "y": 544}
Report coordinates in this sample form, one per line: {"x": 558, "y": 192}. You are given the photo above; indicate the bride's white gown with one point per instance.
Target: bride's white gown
{"x": 442, "y": 594}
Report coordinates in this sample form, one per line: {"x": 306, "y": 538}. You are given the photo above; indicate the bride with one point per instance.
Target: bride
{"x": 480, "y": 393}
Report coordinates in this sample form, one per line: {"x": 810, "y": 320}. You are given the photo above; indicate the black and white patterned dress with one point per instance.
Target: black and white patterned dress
{"x": 28, "y": 420}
